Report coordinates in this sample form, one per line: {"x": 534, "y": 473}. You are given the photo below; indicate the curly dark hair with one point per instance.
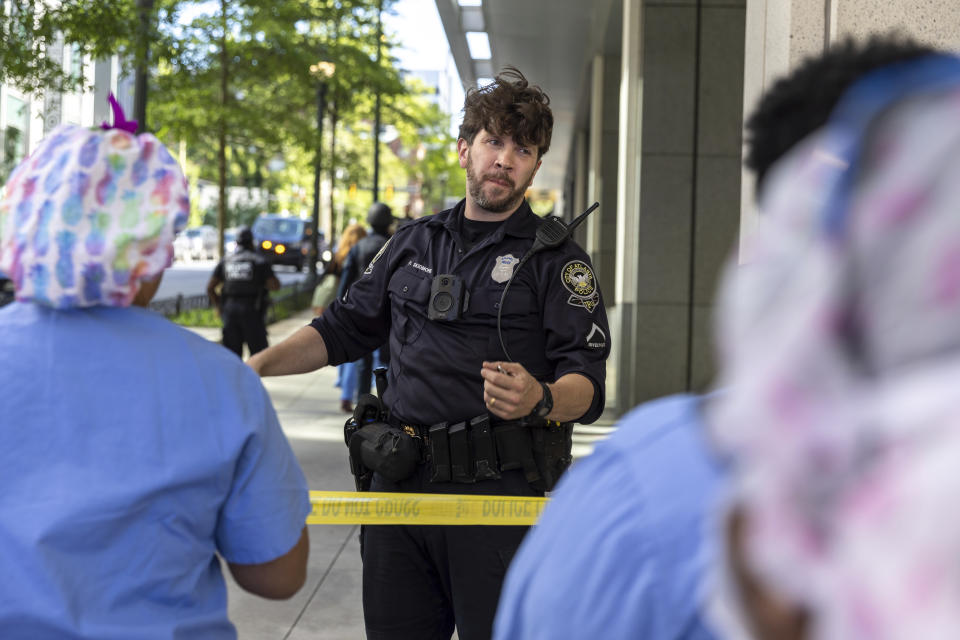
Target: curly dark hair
{"x": 509, "y": 106}
{"x": 801, "y": 102}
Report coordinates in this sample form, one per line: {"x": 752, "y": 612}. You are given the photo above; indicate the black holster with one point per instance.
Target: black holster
{"x": 378, "y": 447}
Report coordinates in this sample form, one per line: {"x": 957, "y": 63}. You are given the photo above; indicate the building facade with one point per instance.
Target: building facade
{"x": 649, "y": 100}
{"x": 26, "y": 119}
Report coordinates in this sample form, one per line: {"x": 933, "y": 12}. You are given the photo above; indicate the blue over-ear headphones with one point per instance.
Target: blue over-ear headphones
{"x": 858, "y": 110}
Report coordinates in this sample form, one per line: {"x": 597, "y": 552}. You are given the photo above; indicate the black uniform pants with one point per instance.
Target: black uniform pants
{"x": 420, "y": 581}
{"x": 243, "y": 322}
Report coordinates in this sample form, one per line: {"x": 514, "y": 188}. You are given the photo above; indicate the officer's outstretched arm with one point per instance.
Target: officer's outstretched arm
{"x": 302, "y": 352}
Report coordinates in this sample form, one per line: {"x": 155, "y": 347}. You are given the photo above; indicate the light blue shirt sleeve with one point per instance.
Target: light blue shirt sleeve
{"x": 268, "y": 502}
{"x": 619, "y": 551}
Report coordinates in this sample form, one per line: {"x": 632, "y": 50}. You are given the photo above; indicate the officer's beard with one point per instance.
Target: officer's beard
{"x": 494, "y": 205}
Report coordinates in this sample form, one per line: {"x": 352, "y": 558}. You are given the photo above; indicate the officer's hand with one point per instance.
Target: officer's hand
{"x": 508, "y": 390}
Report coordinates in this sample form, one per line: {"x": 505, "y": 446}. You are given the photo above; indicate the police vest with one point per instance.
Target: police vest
{"x": 241, "y": 276}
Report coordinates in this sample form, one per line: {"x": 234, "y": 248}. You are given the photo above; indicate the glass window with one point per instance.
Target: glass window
{"x": 76, "y": 62}
{"x": 14, "y": 135}
{"x": 286, "y": 227}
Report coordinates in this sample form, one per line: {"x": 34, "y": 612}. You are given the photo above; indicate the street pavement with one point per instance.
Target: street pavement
{"x": 329, "y": 606}
{"x": 190, "y": 278}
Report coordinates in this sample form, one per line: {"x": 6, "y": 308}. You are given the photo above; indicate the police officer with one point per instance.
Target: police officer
{"x": 435, "y": 290}
{"x": 380, "y": 218}
{"x": 246, "y": 278}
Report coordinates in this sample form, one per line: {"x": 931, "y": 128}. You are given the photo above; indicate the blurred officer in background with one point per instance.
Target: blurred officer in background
{"x": 242, "y": 303}
{"x": 491, "y": 412}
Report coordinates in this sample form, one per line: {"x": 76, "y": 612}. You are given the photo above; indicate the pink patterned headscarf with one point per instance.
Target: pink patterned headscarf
{"x": 842, "y": 358}
{"x": 90, "y": 215}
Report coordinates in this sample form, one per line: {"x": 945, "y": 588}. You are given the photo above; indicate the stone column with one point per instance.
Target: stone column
{"x": 624, "y": 320}
{"x": 603, "y": 150}
{"x": 679, "y": 189}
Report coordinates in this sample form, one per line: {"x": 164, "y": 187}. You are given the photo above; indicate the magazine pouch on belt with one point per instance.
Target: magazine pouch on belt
{"x": 484, "y": 451}
{"x": 439, "y": 453}
{"x": 552, "y": 445}
{"x": 461, "y": 458}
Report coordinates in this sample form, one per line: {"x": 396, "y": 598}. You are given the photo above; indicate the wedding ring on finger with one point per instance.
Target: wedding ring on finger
{"x": 492, "y": 402}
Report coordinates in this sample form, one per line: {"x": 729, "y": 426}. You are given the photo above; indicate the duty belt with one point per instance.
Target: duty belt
{"x": 476, "y": 449}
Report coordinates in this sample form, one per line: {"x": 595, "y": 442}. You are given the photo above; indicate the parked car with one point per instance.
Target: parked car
{"x": 230, "y": 240}
{"x": 196, "y": 243}
{"x": 283, "y": 239}
{"x": 181, "y": 247}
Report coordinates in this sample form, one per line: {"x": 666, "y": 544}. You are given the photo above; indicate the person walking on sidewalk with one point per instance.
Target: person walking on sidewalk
{"x": 500, "y": 419}
{"x": 246, "y": 278}
{"x": 326, "y": 292}
{"x": 380, "y": 219}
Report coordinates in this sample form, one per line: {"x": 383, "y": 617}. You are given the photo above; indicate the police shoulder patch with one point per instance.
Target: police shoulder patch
{"x": 369, "y": 268}
{"x": 577, "y": 278}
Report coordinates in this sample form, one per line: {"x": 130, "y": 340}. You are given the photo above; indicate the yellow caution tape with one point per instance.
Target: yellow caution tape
{"x": 348, "y": 507}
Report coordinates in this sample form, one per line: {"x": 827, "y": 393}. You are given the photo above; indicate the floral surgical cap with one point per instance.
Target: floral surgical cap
{"x": 89, "y": 215}
{"x": 841, "y": 351}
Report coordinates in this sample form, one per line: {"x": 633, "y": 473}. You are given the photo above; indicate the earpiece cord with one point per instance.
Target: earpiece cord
{"x": 503, "y": 296}
{"x": 547, "y": 241}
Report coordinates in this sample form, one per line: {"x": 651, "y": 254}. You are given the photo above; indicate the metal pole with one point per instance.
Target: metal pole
{"x": 144, "y": 15}
{"x": 313, "y": 251}
{"x": 376, "y": 117}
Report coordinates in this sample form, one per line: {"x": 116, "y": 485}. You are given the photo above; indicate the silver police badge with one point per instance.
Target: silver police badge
{"x": 579, "y": 280}
{"x": 503, "y": 268}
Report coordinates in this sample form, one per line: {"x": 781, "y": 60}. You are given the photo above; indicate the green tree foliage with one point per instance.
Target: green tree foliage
{"x": 97, "y": 28}
{"x": 231, "y": 80}
{"x": 427, "y": 148}
{"x": 239, "y": 78}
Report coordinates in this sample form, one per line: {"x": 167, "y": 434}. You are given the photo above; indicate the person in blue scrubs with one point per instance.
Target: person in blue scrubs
{"x": 625, "y": 546}
{"x": 619, "y": 552}
{"x": 134, "y": 455}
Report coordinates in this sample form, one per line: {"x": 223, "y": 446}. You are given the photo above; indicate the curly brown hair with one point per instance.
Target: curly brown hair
{"x": 509, "y": 106}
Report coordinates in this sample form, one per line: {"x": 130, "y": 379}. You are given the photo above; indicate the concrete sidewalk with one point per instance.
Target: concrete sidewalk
{"x": 329, "y": 606}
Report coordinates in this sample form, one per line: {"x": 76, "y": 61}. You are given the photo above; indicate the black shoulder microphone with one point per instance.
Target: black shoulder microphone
{"x": 551, "y": 233}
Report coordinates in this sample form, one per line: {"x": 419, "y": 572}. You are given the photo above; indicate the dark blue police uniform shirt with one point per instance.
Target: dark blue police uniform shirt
{"x": 553, "y": 319}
